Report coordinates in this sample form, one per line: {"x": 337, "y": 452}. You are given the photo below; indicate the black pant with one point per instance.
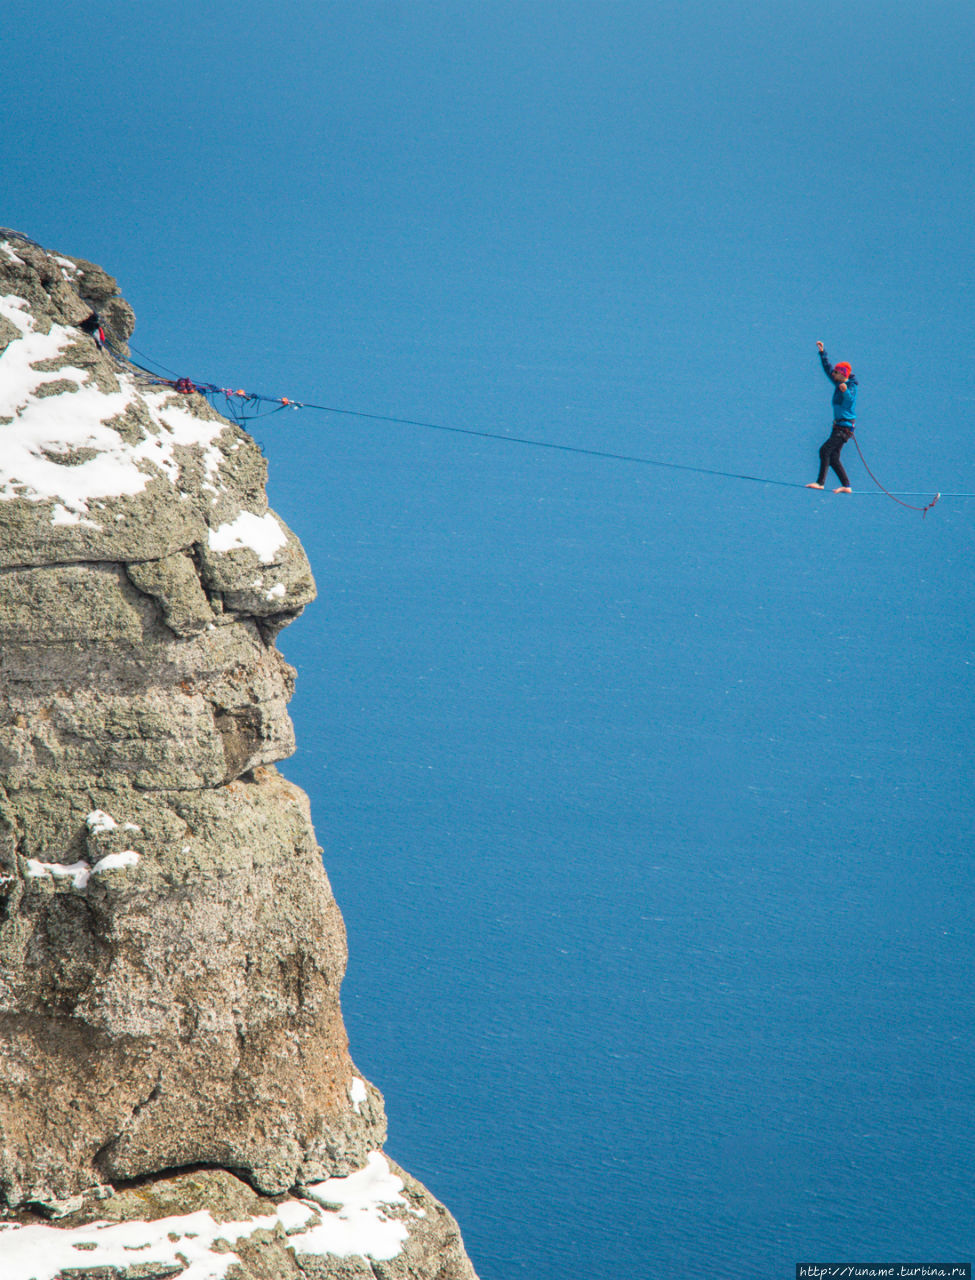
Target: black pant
{"x": 829, "y": 454}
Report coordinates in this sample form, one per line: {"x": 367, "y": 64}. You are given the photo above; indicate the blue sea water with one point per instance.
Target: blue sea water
{"x": 646, "y": 797}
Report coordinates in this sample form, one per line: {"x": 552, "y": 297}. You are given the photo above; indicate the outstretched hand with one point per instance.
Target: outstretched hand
{"x": 820, "y": 346}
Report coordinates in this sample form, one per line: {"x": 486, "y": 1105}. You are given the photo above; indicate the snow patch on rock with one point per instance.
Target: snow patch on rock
{"x": 113, "y": 861}
{"x": 99, "y": 821}
{"x": 355, "y": 1220}
{"x": 261, "y": 534}
{"x": 40, "y": 1252}
{"x": 61, "y": 447}
{"x": 81, "y": 872}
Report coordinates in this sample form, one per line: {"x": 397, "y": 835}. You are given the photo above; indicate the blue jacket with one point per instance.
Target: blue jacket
{"x": 844, "y": 402}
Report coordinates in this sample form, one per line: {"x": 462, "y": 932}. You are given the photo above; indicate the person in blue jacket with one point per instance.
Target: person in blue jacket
{"x": 844, "y": 421}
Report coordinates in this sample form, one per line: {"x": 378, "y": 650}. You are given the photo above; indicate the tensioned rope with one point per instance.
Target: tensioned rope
{"x": 281, "y": 402}
{"x": 238, "y": 401}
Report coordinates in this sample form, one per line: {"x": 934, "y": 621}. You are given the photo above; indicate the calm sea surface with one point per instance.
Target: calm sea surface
{"x": 646, "y": 797}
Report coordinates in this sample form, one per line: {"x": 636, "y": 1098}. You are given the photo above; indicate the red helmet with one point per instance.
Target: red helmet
{"x": 843, "y": 369}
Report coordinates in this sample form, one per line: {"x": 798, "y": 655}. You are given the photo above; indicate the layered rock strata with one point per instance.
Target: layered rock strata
{"x": 171, "y": 1041}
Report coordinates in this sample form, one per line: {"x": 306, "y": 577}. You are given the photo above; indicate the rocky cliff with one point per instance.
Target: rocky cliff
{"x": 176, "y": 1092}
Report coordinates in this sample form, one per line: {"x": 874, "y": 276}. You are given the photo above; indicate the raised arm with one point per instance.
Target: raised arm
{"x": 827, "y": 367}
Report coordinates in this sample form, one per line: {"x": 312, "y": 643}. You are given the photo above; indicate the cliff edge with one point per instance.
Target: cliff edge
{"x": 176, "y": 1092}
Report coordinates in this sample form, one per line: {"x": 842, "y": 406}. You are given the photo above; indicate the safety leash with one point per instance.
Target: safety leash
{"x": 923, "y": 510}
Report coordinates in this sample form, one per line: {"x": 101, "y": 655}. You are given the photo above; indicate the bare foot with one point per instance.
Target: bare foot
{"x": 814, "y": 485}
{"x": 842, "y": 489}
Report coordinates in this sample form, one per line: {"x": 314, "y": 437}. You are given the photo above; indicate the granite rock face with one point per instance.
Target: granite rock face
{"x": 170, "y": 950}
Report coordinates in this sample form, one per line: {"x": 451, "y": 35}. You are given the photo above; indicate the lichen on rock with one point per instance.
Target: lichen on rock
{"x": 170, "y": 950}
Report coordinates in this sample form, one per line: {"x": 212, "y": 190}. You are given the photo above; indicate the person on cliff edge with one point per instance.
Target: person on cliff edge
{"x": 844, "y": 405}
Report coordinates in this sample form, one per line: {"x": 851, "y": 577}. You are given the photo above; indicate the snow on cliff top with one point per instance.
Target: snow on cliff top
{"x": 59, "y": 445}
